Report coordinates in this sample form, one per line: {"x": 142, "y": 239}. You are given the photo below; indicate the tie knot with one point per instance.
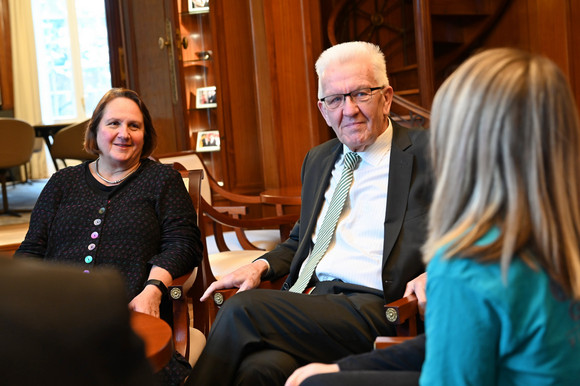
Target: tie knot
{"x": 351, "y": 160}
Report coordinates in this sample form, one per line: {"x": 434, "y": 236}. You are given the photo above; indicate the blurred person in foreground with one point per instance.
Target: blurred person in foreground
{"x": 60, "y": 327}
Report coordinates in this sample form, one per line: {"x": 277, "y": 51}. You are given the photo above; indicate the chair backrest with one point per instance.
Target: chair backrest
{"x": 68, "y": 143}
{"x": 210, "y": 187}
{"x": 190, "y": 161}
{"x": 230, "y": 216}
{"x": 17, "y": 142}
{"x": 193, "y": 180}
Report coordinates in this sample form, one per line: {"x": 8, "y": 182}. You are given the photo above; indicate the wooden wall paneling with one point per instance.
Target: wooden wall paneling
{"x": 6, "y": 76}
{"x": 543, "y": 27}
{"x": 512, "y": 29}
{"x": 555, "y": 33}
{"x": 264, "y": 103}
{"x": 424, "y": 43}
{"x": 153, "y": 71}
{"x": 317, "y": 45}
{"x": 317, "y": 41}
{"x": 115, "y": 39}
{"x": 292, "y": 47}
{"x": 548, "y": 23}
{"x": 236, "y": 93}
{"x": 574, "y": 43}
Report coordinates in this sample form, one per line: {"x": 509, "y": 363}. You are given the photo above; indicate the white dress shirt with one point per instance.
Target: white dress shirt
{"x": 355, "y": 254}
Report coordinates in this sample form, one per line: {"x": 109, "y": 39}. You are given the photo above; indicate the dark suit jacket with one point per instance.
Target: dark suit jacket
{"x": 409, "y": 195}
{"x": 59, "y": 326}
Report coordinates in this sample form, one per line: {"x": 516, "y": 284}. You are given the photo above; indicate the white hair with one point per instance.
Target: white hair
{"x": 345, "y": 52}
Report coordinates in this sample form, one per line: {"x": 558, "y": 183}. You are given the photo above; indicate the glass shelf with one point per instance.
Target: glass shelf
{"x": 195, "y": 62}
{"x": 200, "y": 108}
{"x": 199, "y": 80}
{"x": 199, "y": 11}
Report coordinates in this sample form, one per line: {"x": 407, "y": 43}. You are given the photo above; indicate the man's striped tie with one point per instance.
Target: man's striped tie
{"x": 326, "y": 232}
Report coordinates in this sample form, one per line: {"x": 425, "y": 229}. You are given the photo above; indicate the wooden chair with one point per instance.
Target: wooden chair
{"x": 204, "y": 313}
{"x": 227, "y": 261}
{"x": 238, "y": 205}
{"x": 68, "y": 144}
{"x": 15, "y": 149}
{"x": 38, "y": 146}
{"x": 404, "y": 314}
{"x": 188, "y": 341}
{"x": 232, "y": 247}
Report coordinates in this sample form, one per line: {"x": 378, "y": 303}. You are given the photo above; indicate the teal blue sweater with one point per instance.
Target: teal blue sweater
{"x": 484, "y": 331}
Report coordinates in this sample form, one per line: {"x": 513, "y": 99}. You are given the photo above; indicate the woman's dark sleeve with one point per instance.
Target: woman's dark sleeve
{"x": 181, "y": 246}
{"x": 406, "y": 356}
{"x": 36, "y": 240}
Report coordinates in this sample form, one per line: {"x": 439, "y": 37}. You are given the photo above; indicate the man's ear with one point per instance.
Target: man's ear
{"x": 387, "y": 93}
{"x": 324, "y": 112}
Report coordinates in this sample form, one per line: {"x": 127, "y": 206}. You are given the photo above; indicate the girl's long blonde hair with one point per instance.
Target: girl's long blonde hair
{"x": 505, "y": 146}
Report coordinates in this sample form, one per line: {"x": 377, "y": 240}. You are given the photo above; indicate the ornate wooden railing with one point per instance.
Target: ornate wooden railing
{"x": 417, "y": 116}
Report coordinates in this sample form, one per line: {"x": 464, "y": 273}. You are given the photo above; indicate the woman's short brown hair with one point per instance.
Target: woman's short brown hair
{"x": 150, "y": 138}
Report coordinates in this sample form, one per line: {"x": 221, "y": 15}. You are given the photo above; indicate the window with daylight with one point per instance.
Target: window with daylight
{"x": 72, "y": 54}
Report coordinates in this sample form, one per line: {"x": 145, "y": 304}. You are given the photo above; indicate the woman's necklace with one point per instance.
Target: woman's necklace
{"x": 112, "y": 182}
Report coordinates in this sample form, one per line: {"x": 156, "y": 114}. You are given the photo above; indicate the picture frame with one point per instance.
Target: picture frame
{"x": 198, "y": 6}
{"x": 208, "y": 141}
{"x": 205, "y": 97}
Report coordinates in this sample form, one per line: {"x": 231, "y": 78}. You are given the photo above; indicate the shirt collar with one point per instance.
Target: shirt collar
{"x": 379, "y": 150}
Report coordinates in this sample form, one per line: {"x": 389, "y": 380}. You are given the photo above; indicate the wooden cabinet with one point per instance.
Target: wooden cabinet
{"x": 198, "y": 72}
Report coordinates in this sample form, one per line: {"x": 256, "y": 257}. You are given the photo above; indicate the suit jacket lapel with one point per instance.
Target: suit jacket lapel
{"x": 326, "y": 167}
{"x": 400, "y": 175}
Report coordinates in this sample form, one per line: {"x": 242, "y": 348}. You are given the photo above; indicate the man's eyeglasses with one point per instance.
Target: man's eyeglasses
{"x": 362, "y": 95}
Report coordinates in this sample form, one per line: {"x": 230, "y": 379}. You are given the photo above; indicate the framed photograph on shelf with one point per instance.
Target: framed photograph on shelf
{"x": 205, "y": 97}
{"x": 198, "y": 6}
{"x": 208, "y": 141}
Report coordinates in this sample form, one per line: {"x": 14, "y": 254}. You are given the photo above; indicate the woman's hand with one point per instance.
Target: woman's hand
{"x": 147, "y": 301}
{"x": 301, "y": 373}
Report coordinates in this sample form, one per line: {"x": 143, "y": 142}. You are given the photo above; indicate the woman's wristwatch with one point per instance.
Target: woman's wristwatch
{"x": 159, "y": 284}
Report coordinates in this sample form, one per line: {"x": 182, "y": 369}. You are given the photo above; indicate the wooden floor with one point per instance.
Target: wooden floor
{"x": 21, "y": 199}
{"x": 11, "y": 236}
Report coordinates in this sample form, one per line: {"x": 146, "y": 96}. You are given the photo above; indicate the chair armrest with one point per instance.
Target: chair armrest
{"x": 403, "y": 313}
{"x": 387, "y": 341}
{"x": 238, "y": 210}
{"x": 178, "y": 291}
{"x": 401, "y": 310}
{"x": 220, "y": 296}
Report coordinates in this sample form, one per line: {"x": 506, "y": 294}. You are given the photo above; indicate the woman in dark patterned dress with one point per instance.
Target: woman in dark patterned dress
{"x": 122, "y": 210}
